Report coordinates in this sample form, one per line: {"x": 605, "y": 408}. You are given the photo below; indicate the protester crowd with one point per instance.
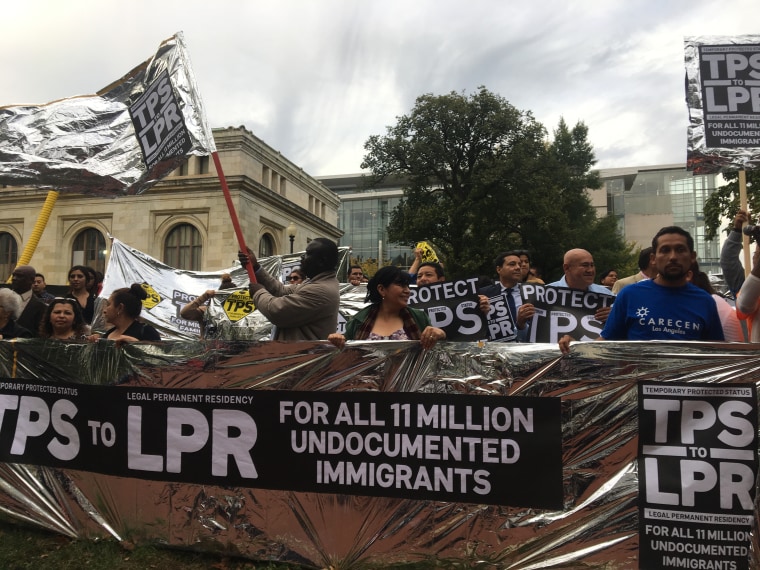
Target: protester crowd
{"x": 28, "y": 310}
{"x": 669, "y": 298}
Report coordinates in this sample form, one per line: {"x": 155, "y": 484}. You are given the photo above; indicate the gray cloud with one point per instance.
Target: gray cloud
{"x": 315, "y": 79}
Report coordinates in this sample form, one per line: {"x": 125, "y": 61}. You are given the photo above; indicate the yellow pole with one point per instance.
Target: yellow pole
{"x": 743, "y": 205}
{"x": 39, "y": 227}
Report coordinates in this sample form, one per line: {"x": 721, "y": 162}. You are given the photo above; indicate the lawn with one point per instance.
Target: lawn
{"x": 22, "y": 548}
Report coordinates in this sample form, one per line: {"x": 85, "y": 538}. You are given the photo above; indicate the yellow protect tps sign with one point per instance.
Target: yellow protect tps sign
{"x": 153, "y": 297}
{"x": 238, "y": 305}
{"x": 428, "y": 253}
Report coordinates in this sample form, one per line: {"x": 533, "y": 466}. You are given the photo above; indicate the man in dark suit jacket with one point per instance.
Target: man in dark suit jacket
{"x": 33, "y": 308}
{"x": 508, "y": 268}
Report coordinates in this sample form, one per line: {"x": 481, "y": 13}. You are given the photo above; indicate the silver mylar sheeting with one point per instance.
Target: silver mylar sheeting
{"x": 710, "y": 156}
{"x": 597, "y": 384}
{"x": 173, "y": 288}
{"x": 91, "y": 144}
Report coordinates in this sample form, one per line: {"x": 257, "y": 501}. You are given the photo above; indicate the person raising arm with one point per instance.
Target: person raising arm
{"x": 308, "y": 310}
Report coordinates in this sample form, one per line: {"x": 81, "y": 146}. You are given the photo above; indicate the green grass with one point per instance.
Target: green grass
{"x": 25, "y": 548}
{"x": 22, "y": 548}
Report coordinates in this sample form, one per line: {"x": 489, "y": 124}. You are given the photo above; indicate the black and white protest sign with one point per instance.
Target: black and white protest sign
{"x": 730, "y": 78}
{"x": 697, "y": 468}
{"x": 560, "y": 311}
{"x": 179, "y": 300}
{"x": 723, "y": 99}
{"x": 447, "y": 447}
{"x": 500, "y": 321}
{"x": 342, "y": 322}
{"x": 159, "y": 124}
{"x": 452, "y": 306}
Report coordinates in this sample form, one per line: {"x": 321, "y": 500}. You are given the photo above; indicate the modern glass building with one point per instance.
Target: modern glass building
{"x": 642, "y": 198}
{"x": 364, "y": 215}
{"x": 645, "y": 199}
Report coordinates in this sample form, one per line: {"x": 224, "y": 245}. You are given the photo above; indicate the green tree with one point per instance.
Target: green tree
{"x": 482, "y": 177}
{"x": 724, "y": 202}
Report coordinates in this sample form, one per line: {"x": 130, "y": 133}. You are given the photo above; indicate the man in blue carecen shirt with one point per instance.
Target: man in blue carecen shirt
{"x": 667, "y": 307}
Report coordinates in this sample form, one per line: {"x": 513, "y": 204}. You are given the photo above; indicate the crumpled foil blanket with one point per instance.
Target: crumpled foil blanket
{"x": 597, "y": 384}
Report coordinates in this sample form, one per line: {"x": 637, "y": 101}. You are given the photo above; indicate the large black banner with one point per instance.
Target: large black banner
{"x": 560, "y": 311}
{"x": 697, "y": 469}
{"x": 479, "y": 449}
{"x": 453, "y": 306}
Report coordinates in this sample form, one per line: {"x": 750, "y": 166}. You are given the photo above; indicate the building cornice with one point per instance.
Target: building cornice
{"x": 239, "y": 138}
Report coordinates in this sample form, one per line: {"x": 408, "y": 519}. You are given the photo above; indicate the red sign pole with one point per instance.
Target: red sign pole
{"x": 233, "y": 214}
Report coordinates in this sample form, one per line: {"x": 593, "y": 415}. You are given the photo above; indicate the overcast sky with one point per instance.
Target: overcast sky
{"x": 314, "y": 79}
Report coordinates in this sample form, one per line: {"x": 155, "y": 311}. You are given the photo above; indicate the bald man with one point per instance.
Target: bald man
{"x": 580, "y": 272}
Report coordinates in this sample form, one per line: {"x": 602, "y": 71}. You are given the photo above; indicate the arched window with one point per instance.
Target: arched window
{"x": 266, "y": 246}
{"x": 90, "y": 250}
{"x": 8, "y": 254}
{"x": 183, "y": 248}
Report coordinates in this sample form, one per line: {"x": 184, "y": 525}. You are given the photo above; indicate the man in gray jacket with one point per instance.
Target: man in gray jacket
{"x": 308, "y": 310}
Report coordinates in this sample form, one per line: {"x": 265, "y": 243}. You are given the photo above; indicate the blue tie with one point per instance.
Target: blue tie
{"x": 512, "y": 306}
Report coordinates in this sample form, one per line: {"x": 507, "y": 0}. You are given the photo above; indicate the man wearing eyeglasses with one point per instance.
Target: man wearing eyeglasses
{"x": 580, "y": 272}
{"x": 303, "y": 311}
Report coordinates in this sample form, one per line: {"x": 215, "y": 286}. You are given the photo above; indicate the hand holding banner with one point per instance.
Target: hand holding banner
{"x": 452, "y": 306}
{"x": 561, "y": 311}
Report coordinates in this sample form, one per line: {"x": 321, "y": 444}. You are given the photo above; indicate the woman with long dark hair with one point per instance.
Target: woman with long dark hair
{"x": 122, "y": 310}
{"x": 388, "y": 317}
{"x": 608, "y": 278}
{"x": 78, "y": 276}
{"x": 63, "y": 320}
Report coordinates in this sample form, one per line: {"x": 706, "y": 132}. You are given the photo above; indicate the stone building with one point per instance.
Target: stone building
{"x": 183, "y": 220}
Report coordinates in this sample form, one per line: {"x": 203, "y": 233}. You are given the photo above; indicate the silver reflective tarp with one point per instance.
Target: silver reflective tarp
{"x": 111, "y": 143}
{"x": 597, "y": 384}
{"x": 170, "y": 289}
